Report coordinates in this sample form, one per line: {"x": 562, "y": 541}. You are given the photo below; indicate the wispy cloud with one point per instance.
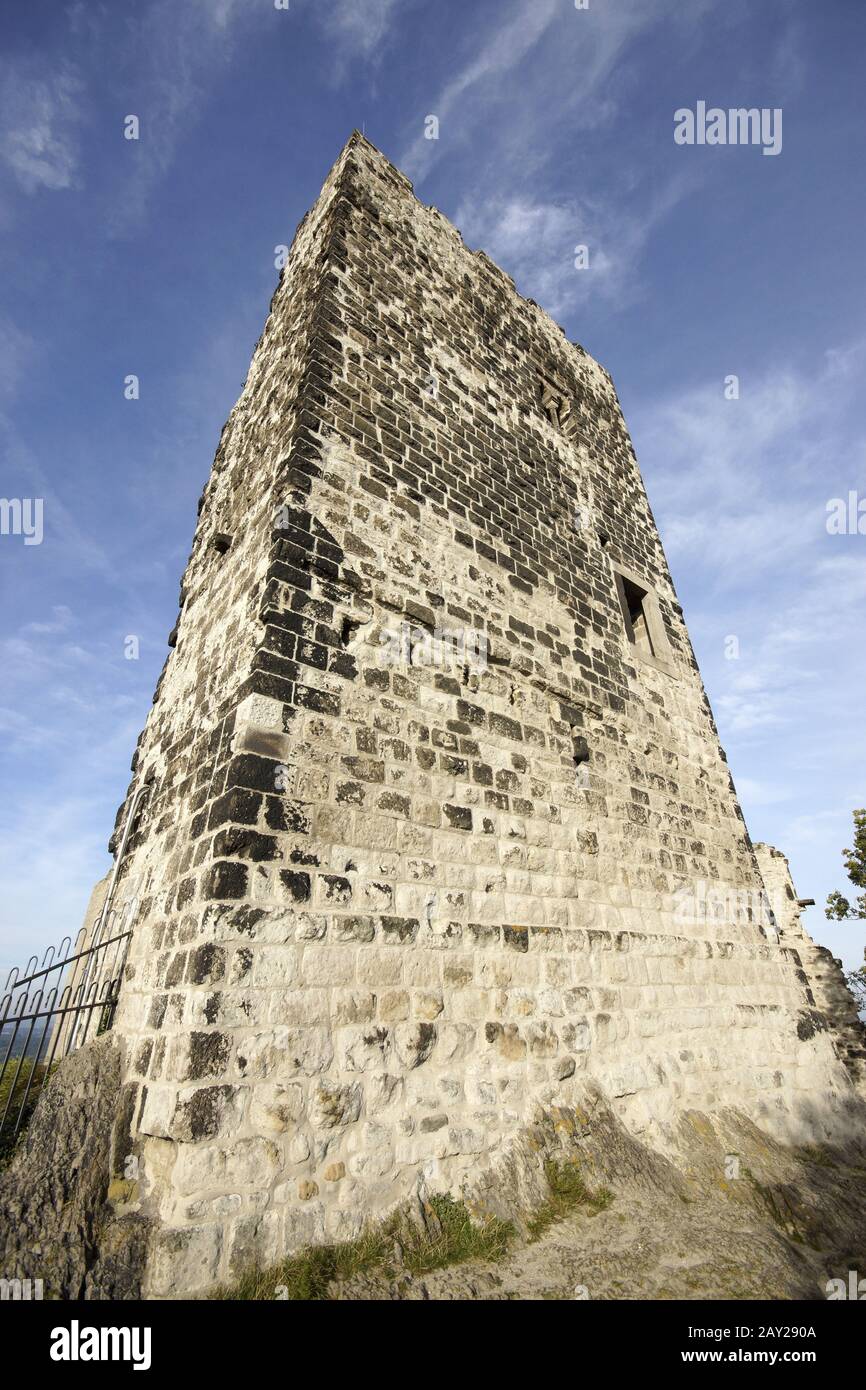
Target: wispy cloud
{"x": 60, "y": 621}
{"x": 357, "y": 27}
{"x": 547, "y": 67}
{"x": 40, "y": 111}
{"x": 740, "y": 490}
{"x": 179, "y": 49}
{"x": 463, "y": 96}
{"x": 538, "y": 80}
{"x": 537, "y": 242}
{"x": 740, "y": 484}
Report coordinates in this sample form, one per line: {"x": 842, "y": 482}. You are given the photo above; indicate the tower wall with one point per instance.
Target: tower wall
{"x": 398, "y": 890}
{"x": 822, "y": 974}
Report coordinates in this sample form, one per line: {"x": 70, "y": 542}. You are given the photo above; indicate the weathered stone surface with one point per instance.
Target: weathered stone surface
{"x": 56, "y": 1222}
{"x": 439, "y": 829}
{"x": 686, "y": 1224}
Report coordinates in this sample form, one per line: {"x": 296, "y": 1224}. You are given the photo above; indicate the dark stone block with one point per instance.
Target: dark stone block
{"x": 287, "y": 816}
{"x": 378, "y": 680}
{"x": 207, "y": 964}
{"x": 243, "y": 843}
{"x": 208, "y": 1055}
{"x": 185, "y": 893}
{"x": 298, "y": 885}
{"x": 365, "y": 769}
{"x": 254, "y": 772}
{"x": 459, "y": 817}
{"x": 239, "y": 805}
{"x": 225, "y": 879}
{"x": 447, "y": 684}
{"x": 399, "y": 930}
{"x": 317, "y": 700}
{"x": 200, "y": 1116}
{"x": 516, "y": 937}
{"x": 509, "y": 728}
{"x": 336, "y": 888}
{"x": 350, "y": 793}
{"x": 472, "y": 714}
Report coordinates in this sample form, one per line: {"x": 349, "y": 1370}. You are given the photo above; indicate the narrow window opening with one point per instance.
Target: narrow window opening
{"x": 556, "y": 404}
{"x": 634, "y": 604}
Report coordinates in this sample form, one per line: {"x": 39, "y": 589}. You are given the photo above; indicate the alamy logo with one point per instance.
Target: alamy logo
{"x": 22, "y": 516}
{"x": 408, "y": 645}
{"x": 77, "y": 1343}
{"x": 696, "y": 904}
{"x": 16, "y": 1290}
{"x": 854, "y": 1289}
{"x": 737, "y": 126}
{"x": 847, "y": 517}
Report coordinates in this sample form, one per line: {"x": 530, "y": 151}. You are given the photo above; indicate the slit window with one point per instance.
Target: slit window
{"x": 556, "y": 404}
{"x": 636, "y": 613}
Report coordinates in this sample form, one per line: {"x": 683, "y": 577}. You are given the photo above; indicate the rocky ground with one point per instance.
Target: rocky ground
{"x": 711, "y": 1208}
{"x": 675, "y": 1228}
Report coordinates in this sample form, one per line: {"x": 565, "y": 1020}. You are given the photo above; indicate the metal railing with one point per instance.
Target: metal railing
{"x": 52, "y": 1009}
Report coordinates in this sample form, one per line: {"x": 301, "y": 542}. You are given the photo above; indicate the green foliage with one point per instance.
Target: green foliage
{"x": 461, "y": 1238}
{"x": 309, "y": 1274}
{"x": 568, "y": 1192}
{"x": 838, "y": 907}
{"x": 856, "y": 981}
{"x": 8, "y": 1139}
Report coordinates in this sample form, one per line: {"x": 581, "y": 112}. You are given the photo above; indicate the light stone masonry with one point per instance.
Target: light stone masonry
{"x": 397, "y": 895}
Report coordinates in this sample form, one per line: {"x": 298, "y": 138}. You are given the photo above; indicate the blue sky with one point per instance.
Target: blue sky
{"x": 156, "y": 257}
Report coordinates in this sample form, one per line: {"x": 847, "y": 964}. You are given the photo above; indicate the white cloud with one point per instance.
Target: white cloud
{"x": 182, "y": 47}
{"x": 177, "y": 48}
{"x": 536, "y": 241}
{"x": 221, "y": 13}
{"x": 741, "y": 484}
{"x": 527, "y": 22}
{"x": 739, "y": 489}
{"x": 514, "y": 112}
{"x": 48, "y": 856}
{"x": 39, "y": 115}
{"x": 358, "y": 27}
{"x": 547, "y": 68}
{"x": 60, "y": 621}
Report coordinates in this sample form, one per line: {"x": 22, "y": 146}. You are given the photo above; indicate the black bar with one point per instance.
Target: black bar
{"x": 598, "y": 1339}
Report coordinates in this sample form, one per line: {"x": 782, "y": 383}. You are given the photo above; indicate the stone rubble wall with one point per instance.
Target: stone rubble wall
{"x": 822, "y": 972}
{"x": 391, "y": 906}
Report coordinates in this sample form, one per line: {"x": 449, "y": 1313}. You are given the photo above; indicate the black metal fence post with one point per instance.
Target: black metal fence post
{"x": 46, "y": 1013}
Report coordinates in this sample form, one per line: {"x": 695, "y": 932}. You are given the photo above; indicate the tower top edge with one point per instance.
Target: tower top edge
{"x": 357, "y": 140}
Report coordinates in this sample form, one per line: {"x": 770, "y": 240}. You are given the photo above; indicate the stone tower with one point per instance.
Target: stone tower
{"x": 437, "y": 825}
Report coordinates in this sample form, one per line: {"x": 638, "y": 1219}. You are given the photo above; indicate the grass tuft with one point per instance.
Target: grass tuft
{"x": 451, "y": 1236}
{"x": 307, "y": 1275}
{"x": 8, "y": 1139}
{"x": 310, "y": 1274}
{"x": 461, "y": 1238}
{"x": 568, "y": 1193}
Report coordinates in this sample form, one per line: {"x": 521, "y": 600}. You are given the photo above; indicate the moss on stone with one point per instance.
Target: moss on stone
{"x": 568, "y": 1193}
{"x": 450, "y": 1237}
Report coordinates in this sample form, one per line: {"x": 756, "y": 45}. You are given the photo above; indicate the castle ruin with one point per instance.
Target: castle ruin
{"x": 429, "y": 822}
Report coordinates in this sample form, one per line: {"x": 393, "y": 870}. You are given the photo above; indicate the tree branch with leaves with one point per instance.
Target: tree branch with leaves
{"x": 838, "y": 908}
